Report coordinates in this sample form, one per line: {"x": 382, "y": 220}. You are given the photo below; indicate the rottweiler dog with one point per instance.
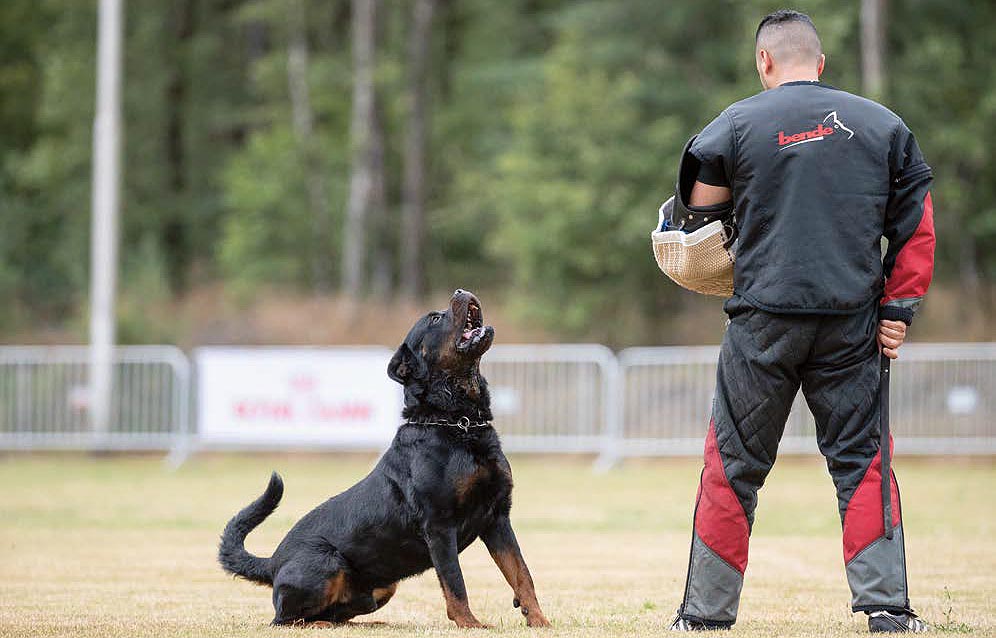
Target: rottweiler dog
{"x": 442, "y": 484}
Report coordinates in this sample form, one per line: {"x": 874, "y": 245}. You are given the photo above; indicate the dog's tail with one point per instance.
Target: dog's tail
{"x": 232, "y": 553}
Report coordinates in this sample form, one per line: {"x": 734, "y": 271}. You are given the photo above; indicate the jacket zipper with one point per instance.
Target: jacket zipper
{"x": 918, "y": 171}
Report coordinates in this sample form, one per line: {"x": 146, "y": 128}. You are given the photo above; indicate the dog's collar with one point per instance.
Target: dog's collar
{"x": 463, "y": 423}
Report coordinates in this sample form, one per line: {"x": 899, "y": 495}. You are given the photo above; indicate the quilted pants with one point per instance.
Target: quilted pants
{"x": 764, "y": 360}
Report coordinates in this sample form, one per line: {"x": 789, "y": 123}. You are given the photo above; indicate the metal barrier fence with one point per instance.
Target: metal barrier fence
{"x": 44, "y": 399}
{"x": 943, "y": 401}
{"x": 667, "y": 403}
{"x": 546, "y": 398}
{"x": 553, "y": 398}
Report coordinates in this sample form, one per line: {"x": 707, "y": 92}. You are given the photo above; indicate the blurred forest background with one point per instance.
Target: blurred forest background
{"x": 286, "y": 159}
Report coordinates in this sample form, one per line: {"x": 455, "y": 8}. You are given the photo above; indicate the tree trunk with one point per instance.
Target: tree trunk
{"x": 308, "y": 147}
{"x": 969, "y": 277}
{"x": 367, "y": 195}
{"x": 175, "y": 242}
{"x": 873, "y": 21}
{"x": 413, "y": 193}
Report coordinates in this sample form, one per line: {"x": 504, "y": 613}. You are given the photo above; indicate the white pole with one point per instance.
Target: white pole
{"x": 104, "y": 211}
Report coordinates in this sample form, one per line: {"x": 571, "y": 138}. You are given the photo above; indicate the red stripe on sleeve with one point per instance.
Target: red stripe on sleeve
{"x": 914, "y": 265}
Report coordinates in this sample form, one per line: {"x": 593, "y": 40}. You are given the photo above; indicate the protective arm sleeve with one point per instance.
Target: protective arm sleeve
{"x": 909, "y": 227}
{"x": 715, "y": 149}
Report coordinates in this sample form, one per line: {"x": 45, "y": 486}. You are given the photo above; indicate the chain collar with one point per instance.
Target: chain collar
{"x": 463, "y": 423}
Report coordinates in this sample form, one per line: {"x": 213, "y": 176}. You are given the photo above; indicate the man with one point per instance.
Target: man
{"x": 817, "y": 177}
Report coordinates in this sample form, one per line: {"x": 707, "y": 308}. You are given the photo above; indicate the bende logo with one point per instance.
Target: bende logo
{"x": 815, "y": 135}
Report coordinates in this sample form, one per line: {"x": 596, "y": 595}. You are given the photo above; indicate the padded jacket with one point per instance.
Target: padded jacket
{"x": 819, "y": 176}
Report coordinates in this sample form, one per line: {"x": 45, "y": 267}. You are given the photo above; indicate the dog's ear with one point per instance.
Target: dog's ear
{"x": 404, "y": 364}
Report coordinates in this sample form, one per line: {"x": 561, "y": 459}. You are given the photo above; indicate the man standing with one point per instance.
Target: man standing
{"x": 817, "y": 177}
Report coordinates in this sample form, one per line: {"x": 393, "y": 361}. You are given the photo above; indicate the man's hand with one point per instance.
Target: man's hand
{"x": 891, "y": 335}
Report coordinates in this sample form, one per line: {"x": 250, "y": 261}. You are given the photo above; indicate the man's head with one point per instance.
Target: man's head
{"x": 787, "y": 48}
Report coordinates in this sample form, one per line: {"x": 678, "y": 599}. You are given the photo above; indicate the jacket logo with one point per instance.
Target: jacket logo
{"x": 836, "y": 123}
{"x": 815, "y": 135}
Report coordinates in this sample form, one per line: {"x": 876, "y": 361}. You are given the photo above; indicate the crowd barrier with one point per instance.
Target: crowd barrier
{"x": 546, "y": 399}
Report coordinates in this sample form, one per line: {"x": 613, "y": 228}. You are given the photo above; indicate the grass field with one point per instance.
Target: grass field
{"x": 122, "y": 547}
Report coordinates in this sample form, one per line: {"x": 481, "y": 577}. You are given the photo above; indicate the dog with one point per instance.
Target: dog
{"x": 443, "y": 483}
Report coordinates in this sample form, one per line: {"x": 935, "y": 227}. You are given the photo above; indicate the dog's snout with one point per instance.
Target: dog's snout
{"x": 458, "y": 291}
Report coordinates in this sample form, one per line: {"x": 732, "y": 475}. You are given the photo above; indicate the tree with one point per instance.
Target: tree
{"x": 593, "y": 153}
{"x": 310, "y": 155}
{"x": 943, "y": 84}
{"x": 873, "y": 21}
{"x": 367, "y": 188}
{"x": 279, "y": 173}
{"x": 528, "y": 142}
{"x": 175, "y": 232}
{"x": 414, "y": 189}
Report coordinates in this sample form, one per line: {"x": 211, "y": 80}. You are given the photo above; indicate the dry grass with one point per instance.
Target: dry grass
{"x": 121, "y": 547}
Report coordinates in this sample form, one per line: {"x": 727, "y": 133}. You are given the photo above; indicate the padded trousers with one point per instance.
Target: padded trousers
{"x": 764, "y": 360}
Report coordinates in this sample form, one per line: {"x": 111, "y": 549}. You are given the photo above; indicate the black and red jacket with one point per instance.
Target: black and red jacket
{"x": 819, "y": 176}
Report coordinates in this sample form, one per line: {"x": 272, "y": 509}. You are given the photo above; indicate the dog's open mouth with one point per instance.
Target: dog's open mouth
{"x": 473, "y": 327}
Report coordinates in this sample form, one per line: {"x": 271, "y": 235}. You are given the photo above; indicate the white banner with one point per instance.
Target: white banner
{"x": 338, "y": 397}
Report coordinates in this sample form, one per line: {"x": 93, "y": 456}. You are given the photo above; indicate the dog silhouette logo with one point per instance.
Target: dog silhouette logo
{"x": 837, "y": 124}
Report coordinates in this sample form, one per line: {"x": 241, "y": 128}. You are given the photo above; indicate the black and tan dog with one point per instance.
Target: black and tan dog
{"x": 443, "y": 483}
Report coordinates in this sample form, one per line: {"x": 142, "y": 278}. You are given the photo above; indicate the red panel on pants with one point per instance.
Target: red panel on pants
{"x": 719, "y": 518}
{"x": 863, "y": 522}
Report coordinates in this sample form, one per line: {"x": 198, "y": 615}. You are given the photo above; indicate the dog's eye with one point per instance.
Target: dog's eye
{"x": 435, "y": 319}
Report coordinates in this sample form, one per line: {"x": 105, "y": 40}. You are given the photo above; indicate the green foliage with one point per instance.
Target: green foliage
{"x": 262, "y": 237}
{"x": 592, "y": 154}
{"x": 46, "y": 189}
{"x": 944, "y": 86}
{"x": 565, "y": 197}
{"x": 267, "y": 234}
{"x": 145, "y": 293}
{"x": 21, "y": 24}
{"x": 555, "y": 131}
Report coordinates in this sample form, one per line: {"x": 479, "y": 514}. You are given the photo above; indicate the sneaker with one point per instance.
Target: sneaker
{"x": 688, "y": 624}
{"x": 888, "y": 622}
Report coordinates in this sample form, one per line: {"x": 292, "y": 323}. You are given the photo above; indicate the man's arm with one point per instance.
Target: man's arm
{"x": 708, "y": 195}
{"x": 908, "y": 265}
{"x": 714, "y": 148}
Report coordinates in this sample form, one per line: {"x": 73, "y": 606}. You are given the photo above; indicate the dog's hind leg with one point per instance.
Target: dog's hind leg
{"x": 504, "y": 548}
{"x": 304, "y": 590}
{"x": 382, "y": 595}
{"x": 359, "y": 604}
{"x": 294, "y": 605}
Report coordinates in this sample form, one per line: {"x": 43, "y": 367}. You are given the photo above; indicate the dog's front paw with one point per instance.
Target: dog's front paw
{"x": 534, "y": 617}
